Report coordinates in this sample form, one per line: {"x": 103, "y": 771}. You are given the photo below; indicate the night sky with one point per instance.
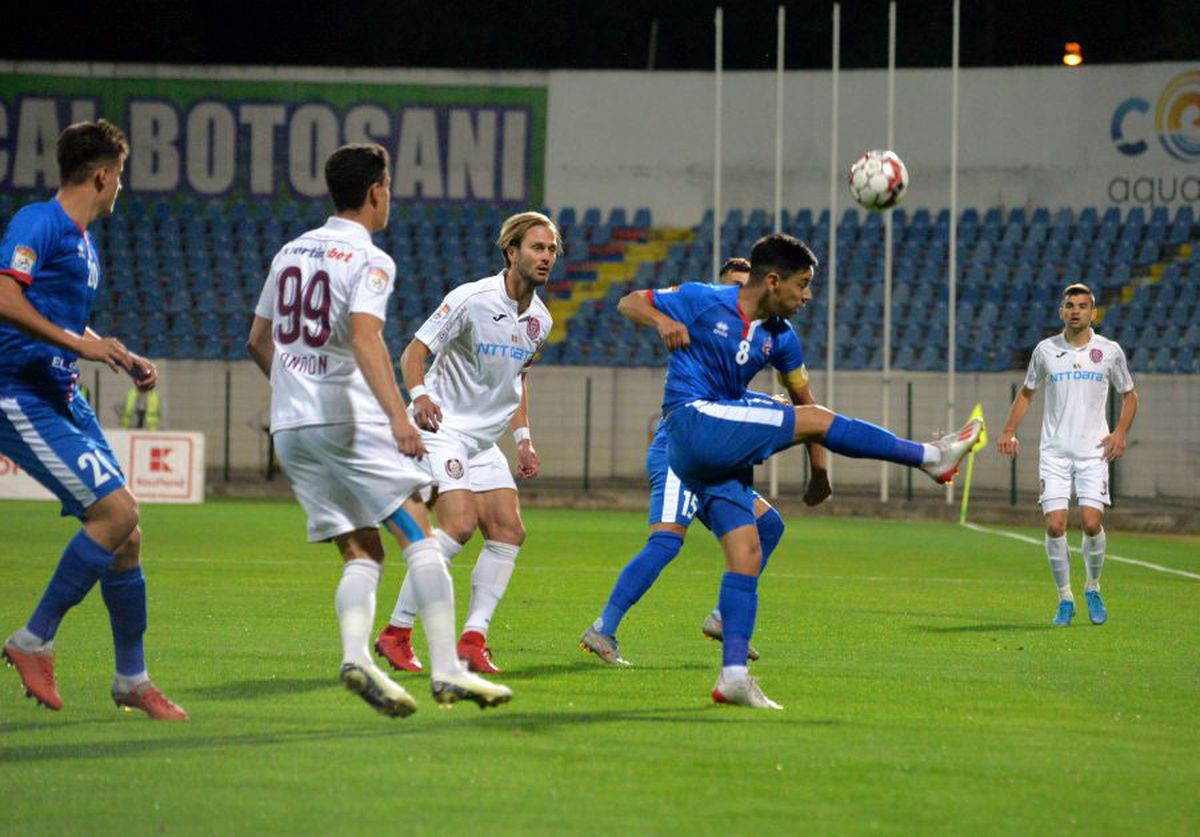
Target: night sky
{"x": 593, "y": 35}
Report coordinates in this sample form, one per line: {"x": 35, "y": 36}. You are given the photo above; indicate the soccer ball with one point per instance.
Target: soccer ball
{"x": 878, "y": 180}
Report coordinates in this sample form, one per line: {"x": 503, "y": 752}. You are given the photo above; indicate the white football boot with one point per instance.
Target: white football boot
{"x": 450, "y": 687}
{"x": 744, "y": 691}
{"x": 376, "y": 688}
{"x": 953, "y": 447}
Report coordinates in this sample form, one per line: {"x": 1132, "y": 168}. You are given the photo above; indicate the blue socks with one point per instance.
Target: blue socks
{"x": 125, "y": 597}
{"x": 739, "y": 607}
{"x": 637, "y": 577}
{"x": 81, "y": 565}
{"x": 863, "y": 440}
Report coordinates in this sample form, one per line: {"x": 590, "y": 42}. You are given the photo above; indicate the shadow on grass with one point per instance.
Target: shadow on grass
{"x": 980, "y": 629}
{"x": 264, "y": 687}
{"x": 183, "y": 738}
{"x": 592, "y": 665}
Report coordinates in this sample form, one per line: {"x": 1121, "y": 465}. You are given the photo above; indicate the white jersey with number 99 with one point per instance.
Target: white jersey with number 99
{"x": 315, "y": 283}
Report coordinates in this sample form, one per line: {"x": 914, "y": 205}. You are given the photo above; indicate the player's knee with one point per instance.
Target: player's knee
{"x": 460, "y": 528}
{"x": 1092, "y": 524}
{"x": 1056, "y": 528}
{"x": 129, "y": 554}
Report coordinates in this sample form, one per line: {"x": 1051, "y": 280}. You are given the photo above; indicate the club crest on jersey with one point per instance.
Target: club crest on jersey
{"x": 721, "y": 329}
{"x": 377, "y": 280}
{"x": 533, "y": 327}
{"x": 454, "y": 469}
{"x": 23, "y": 259}
{"x": 1096, "y": 355}
{"x": 441, "y": 312}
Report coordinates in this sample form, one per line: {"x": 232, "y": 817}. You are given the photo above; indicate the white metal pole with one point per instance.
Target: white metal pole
{"x": 831, "y": 299}
{"x": 773, "y": 468}
{"x": 716, "y": 244}
{"x": 887, "y": 249}
{"x": 952, "y": 300}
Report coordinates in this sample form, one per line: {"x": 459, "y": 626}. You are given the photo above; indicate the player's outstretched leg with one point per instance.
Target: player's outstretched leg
{"x": 863, "y": 440}
{"x": 634, "y": 580}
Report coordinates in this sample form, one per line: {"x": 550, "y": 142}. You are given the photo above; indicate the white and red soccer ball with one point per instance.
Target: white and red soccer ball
{"x": 878, "y": 180}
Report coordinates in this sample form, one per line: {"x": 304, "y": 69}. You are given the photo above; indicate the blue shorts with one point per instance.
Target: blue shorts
{"x": 62, "y": 446}
{"x": 670, "y": 502}
{"x": 714, "y": 445}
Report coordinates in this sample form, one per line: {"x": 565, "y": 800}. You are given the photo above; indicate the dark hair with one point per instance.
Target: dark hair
{"x": 352, "y": 170}
{"x": 735, "y": 265}
{"x": 85, "y": 145}
{"x": 1077, "y": 289}
{"x": 779, "y": 253}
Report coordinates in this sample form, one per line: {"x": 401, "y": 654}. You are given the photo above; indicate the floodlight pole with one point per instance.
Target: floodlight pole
{"x": 716, "y": 243}
{"x": 773, "y": 467}
{"x": 953, "y": 255}
{"x": 887, "y": 249}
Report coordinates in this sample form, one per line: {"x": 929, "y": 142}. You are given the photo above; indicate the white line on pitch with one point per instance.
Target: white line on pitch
{"x": 975, "y": 527}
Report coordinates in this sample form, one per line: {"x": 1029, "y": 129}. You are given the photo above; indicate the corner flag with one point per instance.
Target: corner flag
{"x": 977, "y": 413}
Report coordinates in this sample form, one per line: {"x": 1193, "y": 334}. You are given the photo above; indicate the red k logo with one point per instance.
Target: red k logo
{"x": 158, "y": 460}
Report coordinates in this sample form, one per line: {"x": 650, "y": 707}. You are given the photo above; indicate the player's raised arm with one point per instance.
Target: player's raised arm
{"x": 638, "y": 306}
{"x": 426, "y": 412}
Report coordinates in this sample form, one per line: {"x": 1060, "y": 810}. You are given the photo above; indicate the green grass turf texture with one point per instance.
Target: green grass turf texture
{"x": 925, "y": 691}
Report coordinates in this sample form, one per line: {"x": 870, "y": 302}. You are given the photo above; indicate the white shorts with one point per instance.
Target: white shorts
{"x": 1060, "y": 477}
{"x": 459, "y": 462}
{"x": 347, "y": 476}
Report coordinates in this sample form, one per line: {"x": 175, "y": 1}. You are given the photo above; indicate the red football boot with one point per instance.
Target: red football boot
{"x": 473, "y": 650}
{"x": 146, "y": 697}
{"x": 37, "y": 674}
{"x": 395, "y": 645}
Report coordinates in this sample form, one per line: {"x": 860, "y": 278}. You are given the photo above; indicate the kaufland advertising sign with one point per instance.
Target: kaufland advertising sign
{"x": 159, "y": 467}
{"x": 270, "y": 139}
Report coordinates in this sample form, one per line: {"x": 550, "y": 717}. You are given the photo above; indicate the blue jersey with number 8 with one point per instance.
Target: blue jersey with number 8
{"x": 727, "y": 350}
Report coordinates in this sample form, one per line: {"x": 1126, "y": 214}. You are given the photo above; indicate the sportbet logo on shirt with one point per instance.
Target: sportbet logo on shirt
{"x": 23, "y": 259}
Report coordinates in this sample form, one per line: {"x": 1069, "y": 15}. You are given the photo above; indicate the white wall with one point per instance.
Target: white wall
{"x": 1032, "y": 135}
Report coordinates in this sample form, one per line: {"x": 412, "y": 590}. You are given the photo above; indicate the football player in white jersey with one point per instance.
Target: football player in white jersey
{"x": 341, "y": 431}
{"x": 1076, "y": 368}
{"x": 483, "y": 338}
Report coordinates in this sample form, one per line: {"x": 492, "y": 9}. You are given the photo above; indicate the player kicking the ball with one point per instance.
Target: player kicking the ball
{"x": 483, "y": 337}
{"x": 341, "y": 431}
{"x": 49, "y": 278}
{"x": 1076, "y": 367}
{"x": 672, "y": 509}
{"x": 721, "y": 338}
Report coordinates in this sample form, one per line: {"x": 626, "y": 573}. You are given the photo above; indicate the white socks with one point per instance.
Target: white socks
{"x": 1060, "y": 566}
{"x": 405, "y": 612}
{"x": 433, "y": 594}
{"x": 1093, "y": 558}
{"x": 932, "y": 454}
{"x": 355, "y": 603}
{"x": 489, "y": 580}
{"x": 29, "y": 642}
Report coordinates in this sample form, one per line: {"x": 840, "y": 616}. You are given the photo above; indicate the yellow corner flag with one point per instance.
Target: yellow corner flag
{"x": 977, "y": 413}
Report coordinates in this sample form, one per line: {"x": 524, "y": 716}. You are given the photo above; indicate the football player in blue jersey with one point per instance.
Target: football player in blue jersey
{"x": 672, "y": 508}
{"x": 49, "y": 278}
{"x": 721, "y": 337}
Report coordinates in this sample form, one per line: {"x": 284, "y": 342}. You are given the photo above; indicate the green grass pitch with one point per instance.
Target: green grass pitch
{"x": 924, "y": 692}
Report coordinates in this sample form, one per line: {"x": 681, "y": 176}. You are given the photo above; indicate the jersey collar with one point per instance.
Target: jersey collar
{"x": 351, "y": 229}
